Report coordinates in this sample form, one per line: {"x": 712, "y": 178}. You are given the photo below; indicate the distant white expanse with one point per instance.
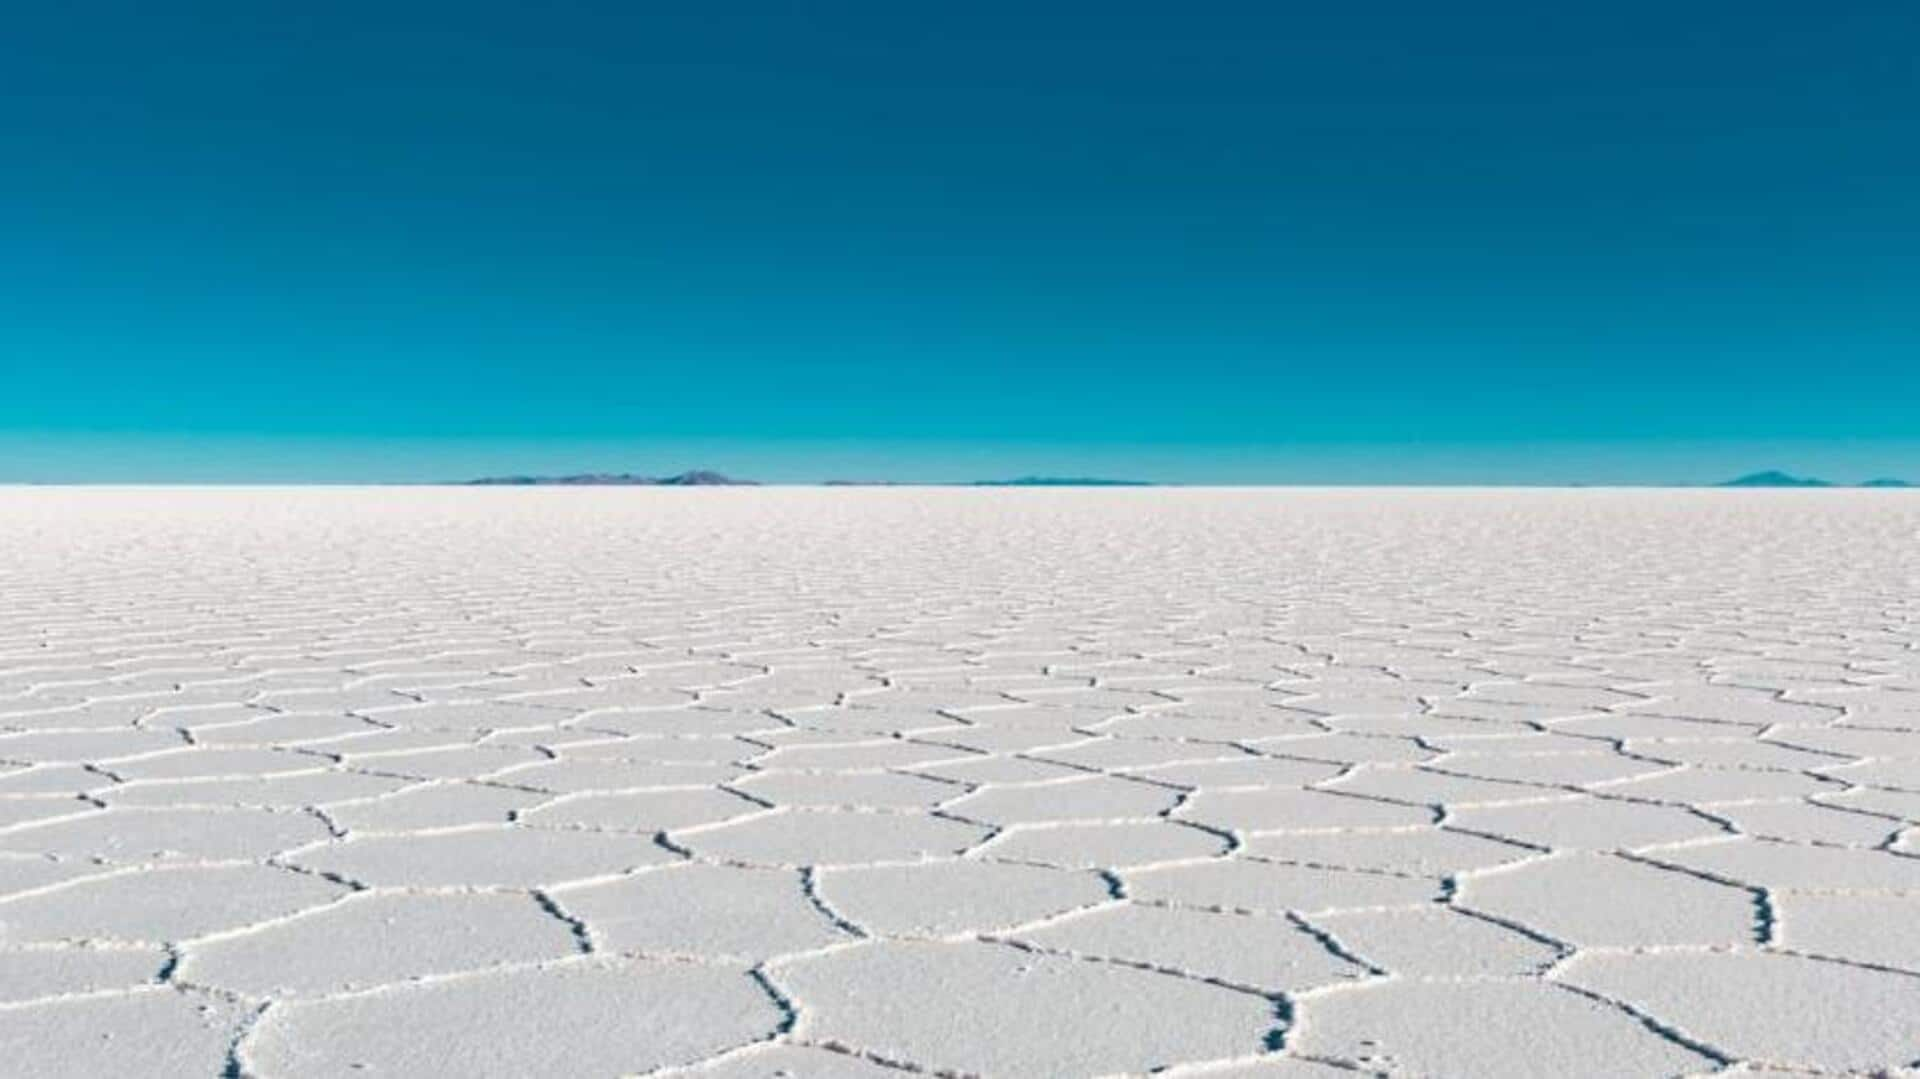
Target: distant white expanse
{"x": 836, "y": 783}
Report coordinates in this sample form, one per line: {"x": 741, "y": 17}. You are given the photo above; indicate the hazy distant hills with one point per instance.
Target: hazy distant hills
{"x": 697, "y": 478}
{"x": 701, "y": 478}
{"x": 1775, "y": 478}
{"x": 1059, "y": 481}
{"x": 707, "y": 478}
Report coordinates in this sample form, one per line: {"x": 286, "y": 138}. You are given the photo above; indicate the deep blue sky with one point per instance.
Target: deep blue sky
{"x": 1419, "y": 241}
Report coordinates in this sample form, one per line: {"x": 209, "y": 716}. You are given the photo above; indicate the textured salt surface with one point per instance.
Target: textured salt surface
{"x": 848, "y": 783}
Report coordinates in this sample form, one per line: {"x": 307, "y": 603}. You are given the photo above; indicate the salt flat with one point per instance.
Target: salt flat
{"x": 837, "y": 783}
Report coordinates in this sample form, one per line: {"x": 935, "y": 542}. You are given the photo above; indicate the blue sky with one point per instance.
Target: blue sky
{"x": 1493, "y": 242}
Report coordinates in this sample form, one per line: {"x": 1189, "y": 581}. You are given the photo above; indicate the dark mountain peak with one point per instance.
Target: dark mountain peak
{"x": 702, "y": 478}
{"x": 1886, "y": 482}
{"x": 1774, "y": 478}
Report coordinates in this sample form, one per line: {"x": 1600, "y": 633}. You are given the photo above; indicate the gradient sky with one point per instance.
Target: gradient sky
{"x": 1244, "y": 242}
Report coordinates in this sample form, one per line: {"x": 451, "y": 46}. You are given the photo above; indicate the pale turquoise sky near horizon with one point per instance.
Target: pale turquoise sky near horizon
{"x": 268, "y": 459}
{"x": 1490, "y": 242}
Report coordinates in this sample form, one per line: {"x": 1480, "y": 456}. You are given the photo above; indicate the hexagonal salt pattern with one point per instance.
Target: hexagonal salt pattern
{"x": 854, "y": 783}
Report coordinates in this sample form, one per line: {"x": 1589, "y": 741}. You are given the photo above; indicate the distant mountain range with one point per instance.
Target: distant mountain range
{"x": 1059, "y": 481}
{"x": 700, "y": 478}
{"x": 1774, "y": 478}
{"x": 695, "y": 478}
{"x": 706, "y": 478}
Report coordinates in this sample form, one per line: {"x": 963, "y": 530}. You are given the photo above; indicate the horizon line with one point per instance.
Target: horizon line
{"x": 990, "y": 485}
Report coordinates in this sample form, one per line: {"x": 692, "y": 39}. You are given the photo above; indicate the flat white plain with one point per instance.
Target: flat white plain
{"x": 849, "y": 782}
